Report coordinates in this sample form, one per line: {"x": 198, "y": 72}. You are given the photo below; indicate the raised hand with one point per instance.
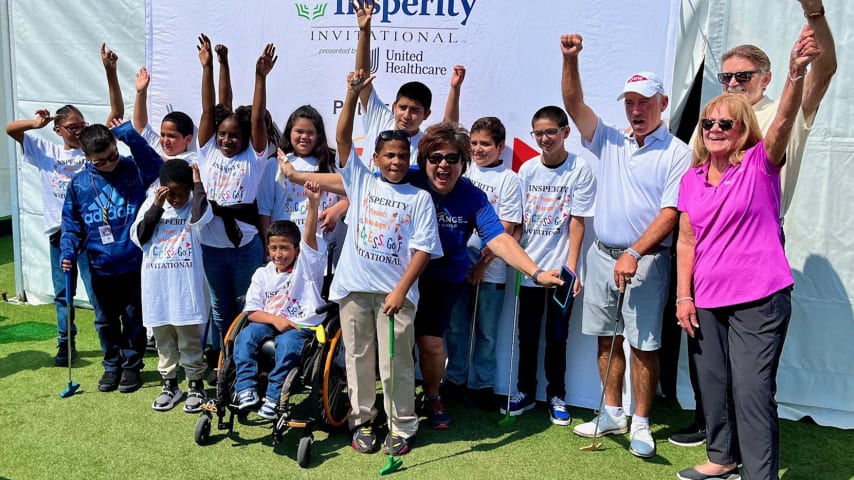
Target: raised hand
{"x": 312, "y": 192}
{"x": 197, "y": 176}
{"x": 570, "y": 45}
{"x": 115, "y": 122}
{"x": 284, "y": 165}
{"x": 364, "y": 12}
{"x": 221, "y": 53}
{"x": 266, "y": 61}
{"x": 160, "y": 196}
{"x": 142, "y": 79}
{"x": 204, "y": 48}
{"x": 108, "y": 57}
{"x": 358, "y": 80}
{"x": 458, "y": 76}
{"x": 806, "y": 49}
{"x": 42, "y": 118}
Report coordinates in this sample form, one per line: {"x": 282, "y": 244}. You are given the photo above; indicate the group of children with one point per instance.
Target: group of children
{"x": 182, "y": 222}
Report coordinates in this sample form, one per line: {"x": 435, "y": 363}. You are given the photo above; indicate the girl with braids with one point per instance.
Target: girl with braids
{"x": 232, "y": 158}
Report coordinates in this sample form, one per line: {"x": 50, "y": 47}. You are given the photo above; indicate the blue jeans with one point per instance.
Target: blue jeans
{"x": 58, "y": 278}
{"x": 228, "y": 272}
{"x": 289, "y": 346}
{"x": 532, "y": 302}
{"x": 490, "y": 301}
{"x": 118, "y": 320}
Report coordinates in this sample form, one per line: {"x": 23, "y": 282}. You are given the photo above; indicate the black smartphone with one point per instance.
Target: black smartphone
{"x": 563, "y": 294}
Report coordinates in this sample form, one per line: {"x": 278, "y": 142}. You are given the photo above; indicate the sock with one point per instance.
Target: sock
{"x": 614, "y": 411}
{"x": 638, "y": 420}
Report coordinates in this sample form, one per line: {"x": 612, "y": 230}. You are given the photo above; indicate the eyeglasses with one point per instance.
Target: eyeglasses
{"x": 74, "y": 128}
{"x": 740, "y": 77}
{"x": 452, "y": 158}
{"x": 549, "y": 132}
{"x": 724, "y": 123}
{"x": 109, "y": 158}
{"x": 387, "y": 135}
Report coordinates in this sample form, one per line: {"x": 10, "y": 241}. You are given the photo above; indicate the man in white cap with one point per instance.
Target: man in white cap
{"x": 635, "y": 216}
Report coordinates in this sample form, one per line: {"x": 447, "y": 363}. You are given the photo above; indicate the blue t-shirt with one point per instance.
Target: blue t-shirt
{"x": 458, "y": 213}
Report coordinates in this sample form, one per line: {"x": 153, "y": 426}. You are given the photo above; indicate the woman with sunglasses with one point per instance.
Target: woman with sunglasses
{"x": 733, "y": 279}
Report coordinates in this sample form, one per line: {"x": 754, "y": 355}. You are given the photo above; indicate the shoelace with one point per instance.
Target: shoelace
{"x": 518, "y": 397}
{"x": 558, "y": 404}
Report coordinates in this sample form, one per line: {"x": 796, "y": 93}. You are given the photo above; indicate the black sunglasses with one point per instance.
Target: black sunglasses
{"x": 724, "y": 123}
{"x": 387, "y": 135}
{"x": 452, "y": 158}
{"x": 740, "y": 77}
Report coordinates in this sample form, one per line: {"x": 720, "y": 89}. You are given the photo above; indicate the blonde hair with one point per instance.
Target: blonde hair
{"x": 742, "y": 113}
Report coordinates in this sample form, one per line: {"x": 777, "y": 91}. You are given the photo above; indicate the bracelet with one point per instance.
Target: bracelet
{"x": 795, "y": 79}
{"x": 634, "y": 253}
{"x": 819, "y": 13}
{"x": 684, "y": 299}
{"x": 537, "y": 274}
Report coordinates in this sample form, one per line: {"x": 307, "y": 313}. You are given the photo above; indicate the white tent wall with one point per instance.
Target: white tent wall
{"x": 7, "y": 157}
{"x": 816, "y": 376}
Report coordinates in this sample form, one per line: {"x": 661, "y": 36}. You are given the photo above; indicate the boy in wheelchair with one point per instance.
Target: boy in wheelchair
{"x": 281, "y": 303}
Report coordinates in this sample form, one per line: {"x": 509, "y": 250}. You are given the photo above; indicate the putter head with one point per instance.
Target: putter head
{"x": 506, "y": 421}
{"x": 70, "y": 389}
{"x": 391, "y": 466}
{"x": 593, "y": 447}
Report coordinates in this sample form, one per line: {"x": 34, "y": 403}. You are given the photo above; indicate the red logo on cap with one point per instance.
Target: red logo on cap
{"x": 637, "y": 78}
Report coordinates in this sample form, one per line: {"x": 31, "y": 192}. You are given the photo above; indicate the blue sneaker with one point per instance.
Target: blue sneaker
{"x": 268, "y": 410}
{"x": 519, "y": 403}
{"x": 558, "y": 413}
{"x": 246, "y": 399}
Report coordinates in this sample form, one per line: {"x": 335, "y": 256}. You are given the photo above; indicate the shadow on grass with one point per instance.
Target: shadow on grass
{"x": 35, "y": 359}
{"x": 26, "y": 332}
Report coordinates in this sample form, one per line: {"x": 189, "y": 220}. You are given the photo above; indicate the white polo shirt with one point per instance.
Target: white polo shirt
{"x": 634, "y": 182}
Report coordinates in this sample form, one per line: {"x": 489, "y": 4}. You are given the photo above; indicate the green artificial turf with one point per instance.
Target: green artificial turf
{"x": 113, "y": 435}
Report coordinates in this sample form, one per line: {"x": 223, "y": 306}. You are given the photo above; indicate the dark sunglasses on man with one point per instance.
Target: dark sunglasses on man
{"x": 740, "y": 77}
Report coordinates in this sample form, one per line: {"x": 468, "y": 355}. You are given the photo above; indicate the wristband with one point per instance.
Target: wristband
{"x": 536, "y": 274}
{"x": 816, "y": 14}
{"x": 684, "y": 299}
{"x": 631, "y": 251}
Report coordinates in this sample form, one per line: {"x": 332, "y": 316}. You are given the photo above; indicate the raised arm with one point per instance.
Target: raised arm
{"x": 17, "y": 128}
{"x": 259, "y": 100}
{"x": 140, "y": 104}
{"x": 452, "y": 106}
{"x": 146, "y": 158}
{"x": 573, "y": 97}
{"x": 312, "y": 194}
{"x": 357, "y": 82}
{"x": 364, "y": 12}
{"x": 806, "y": 50}
{"x": 818, "y": 79}
{"x": 117, "y": 103}
{"x": 206, "y": 122}
{"x": 225, "y": 94}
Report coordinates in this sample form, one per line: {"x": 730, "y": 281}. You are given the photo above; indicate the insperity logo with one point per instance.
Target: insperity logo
{"x": 384, "y": 10}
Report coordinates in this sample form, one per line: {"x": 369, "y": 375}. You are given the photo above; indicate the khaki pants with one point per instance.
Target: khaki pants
{"x": 363, "y": 328}
{"x": 183, "y": 341}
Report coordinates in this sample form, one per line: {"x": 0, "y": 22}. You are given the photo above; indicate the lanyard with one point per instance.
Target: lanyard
{"x": 104, "y": 207}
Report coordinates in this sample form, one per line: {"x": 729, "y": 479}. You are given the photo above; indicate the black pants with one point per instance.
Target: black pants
{"x": 118, "y": 320}
{"x": 737, "y": 353}
{"x": 532, "y": 302}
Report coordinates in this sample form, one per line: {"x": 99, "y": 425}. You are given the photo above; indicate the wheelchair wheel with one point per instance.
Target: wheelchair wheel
{"x": 203, "y": 429}
{"x": 336, "y": 402}
{"x": 304, "y": 451}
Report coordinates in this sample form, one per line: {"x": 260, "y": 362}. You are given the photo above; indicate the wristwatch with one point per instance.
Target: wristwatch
{"x": 537, "y": 274}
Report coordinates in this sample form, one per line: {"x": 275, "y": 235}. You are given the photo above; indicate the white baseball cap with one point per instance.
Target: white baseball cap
{"x": 644, "y": 83}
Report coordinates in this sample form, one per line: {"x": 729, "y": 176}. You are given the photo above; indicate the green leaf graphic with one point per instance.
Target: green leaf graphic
{"x": 302, "y": 11}
{"x": 319, "y": 11}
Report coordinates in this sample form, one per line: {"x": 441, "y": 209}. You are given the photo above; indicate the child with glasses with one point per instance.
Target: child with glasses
{"x": 100, "y": 206}
{"x": 411, "y": 106}
{"x": 56, "y": 165}
{"x": 393, "y": 235}
{"x": 558, "y": 189}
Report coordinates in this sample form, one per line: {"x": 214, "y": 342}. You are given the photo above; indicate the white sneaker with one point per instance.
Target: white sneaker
{"x": 608, "y": 425}
{"x": 642, "y": 444}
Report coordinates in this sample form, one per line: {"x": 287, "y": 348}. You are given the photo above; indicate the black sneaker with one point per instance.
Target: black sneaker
{"x": 691, "y": 436}
{"x": 364, "y": 439}
{"x": 61, "y": 358}
{"x": 109, "y": 381}
{"x": 151, "y": 345}
{"x": 131, "y": 381}
{"x": 452, "y": 391}
{"x": 436, "y": 413}
{"x": 397, "y": 445}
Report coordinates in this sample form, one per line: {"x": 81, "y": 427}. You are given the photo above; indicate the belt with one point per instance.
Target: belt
{"x": 616, "y": 252}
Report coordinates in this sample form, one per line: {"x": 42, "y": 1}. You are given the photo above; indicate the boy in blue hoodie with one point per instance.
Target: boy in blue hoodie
{"x": 100, "y": 207}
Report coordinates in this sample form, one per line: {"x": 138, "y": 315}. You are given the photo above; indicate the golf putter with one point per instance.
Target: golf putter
{"x": 471, "y": 341}
{"x": 72, "y": 386}
{"x": 510, "y": 420}
{"x": 598, "y": 445}
{"x": 393, "y": 464}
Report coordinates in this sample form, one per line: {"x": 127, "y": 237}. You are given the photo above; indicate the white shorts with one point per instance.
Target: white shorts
{"x": 643, "y": 306}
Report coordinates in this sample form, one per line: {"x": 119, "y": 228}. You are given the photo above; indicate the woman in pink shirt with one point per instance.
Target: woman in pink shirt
{"x": 733, "y": 279}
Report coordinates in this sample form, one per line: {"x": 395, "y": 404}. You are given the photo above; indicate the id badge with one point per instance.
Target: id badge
{"x": 106, "y": 232}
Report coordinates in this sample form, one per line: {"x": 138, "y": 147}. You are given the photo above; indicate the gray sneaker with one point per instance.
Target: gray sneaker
{"x": 195, "y": 397}
{"x": 169, "y": 396}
